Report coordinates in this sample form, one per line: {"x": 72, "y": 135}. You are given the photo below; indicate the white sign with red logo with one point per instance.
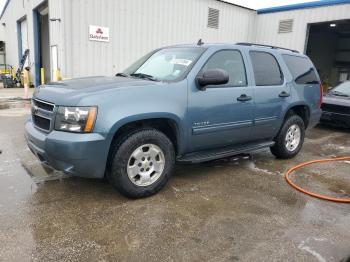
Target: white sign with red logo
{"x": 98, "y": 33}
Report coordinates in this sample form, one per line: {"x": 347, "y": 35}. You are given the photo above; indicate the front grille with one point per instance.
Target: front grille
{"x": 336, "y": 109}
{"x": 42, "y": 114}
{"x": 41, "y": 122}
{"x": 44, "y": 105}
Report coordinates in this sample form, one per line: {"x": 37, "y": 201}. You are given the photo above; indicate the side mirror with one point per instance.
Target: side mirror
{"x": 212, "y": 77}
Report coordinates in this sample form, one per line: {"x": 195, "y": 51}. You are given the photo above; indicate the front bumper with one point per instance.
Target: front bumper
{"x": 82, "y": 155}
{"x": 335, "y": 119}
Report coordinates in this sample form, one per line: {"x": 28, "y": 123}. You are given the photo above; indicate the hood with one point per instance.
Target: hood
{"x": 69, "y": 92}
{"x": 336, "y": 100}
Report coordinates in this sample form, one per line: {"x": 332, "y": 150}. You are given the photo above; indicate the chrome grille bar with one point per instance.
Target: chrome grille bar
{"x": 42, "y": 114}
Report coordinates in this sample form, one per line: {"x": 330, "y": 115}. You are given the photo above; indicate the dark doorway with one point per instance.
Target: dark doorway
{"x": 328, "y": 47}
{"x": 42, "y": 45}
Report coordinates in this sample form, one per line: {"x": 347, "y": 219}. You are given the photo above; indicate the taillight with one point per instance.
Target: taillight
{"x": 319, "y": 103}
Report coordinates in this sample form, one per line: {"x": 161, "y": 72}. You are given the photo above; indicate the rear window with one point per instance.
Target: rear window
{"x": 302, "y": 69}
{"x": 267, "y": 71}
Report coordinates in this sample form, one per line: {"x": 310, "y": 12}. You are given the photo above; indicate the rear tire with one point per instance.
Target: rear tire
{"x": 290, "y": 138}
{"x": 141, "y": 163}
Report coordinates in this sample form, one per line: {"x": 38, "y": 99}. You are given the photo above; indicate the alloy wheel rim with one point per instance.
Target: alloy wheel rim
{"x": 293, "y": 138}
{"x": 146, "y": 165}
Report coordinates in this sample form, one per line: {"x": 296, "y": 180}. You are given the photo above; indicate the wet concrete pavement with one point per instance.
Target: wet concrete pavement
{"x": 11, "y": 93}
{"x": 226, "y": 210}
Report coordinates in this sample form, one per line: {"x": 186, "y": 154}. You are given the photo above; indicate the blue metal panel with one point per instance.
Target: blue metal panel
{"x": 36, "y": 47}
{"x": 302, "y": 6}
{"x": 19, "y": 40}
{"x": 5, "y": 6}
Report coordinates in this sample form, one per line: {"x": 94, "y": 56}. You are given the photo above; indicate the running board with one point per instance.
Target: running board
{"x": 212, "y": 154}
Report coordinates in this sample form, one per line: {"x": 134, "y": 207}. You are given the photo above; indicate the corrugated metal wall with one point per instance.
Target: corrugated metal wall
{"x": 267, "y": 24}
{"x": 137, "y": 27}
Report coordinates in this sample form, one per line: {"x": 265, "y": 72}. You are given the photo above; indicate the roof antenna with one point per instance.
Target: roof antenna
{"x": 200, "y": 42}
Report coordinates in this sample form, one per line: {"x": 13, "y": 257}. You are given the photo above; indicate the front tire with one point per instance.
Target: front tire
{"x": 290, "y": 139}
{"x": 141, "y": 163}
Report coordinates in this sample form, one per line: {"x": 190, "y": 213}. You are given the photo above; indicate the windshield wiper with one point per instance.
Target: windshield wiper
{"x": 122, "y": 74}
{"x": 337, "y": 93}
{"x": 144, "y": 76}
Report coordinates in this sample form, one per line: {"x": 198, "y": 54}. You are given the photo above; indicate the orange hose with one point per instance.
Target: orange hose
{"x": 324, "y": 197}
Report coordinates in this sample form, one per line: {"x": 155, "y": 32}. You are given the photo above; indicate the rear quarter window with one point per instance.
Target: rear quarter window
{"x": 302, "y": 69}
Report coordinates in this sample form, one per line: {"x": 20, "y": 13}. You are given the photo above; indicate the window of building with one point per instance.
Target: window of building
{"x": 301, "y": 69}
{"x": 232, "y": 62}
{"x": 267, "y": 71}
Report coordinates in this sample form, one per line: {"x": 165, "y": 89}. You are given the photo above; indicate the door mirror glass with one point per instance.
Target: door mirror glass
{"x": 212, "y": 77}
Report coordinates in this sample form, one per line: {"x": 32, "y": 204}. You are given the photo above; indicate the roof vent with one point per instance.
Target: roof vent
{"x": 213, "y": 18}
{"x": 285, "y": 26}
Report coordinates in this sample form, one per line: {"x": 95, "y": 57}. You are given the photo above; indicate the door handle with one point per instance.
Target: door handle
{"x": 244, "y": 98}
{"x": 284, "y": 94}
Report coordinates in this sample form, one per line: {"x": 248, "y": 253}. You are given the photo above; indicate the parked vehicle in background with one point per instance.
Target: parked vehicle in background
{"x": 336, "y": 106}
{"x": 6, "y": 75}
{"x": 5, "y": 70}
{"x": 185, "y": 103}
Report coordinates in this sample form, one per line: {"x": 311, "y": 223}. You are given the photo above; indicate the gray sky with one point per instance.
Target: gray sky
{"x": 258, "y": 4}
{"x": 255, "y": 4}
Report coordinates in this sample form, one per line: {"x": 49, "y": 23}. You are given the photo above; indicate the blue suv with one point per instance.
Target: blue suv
{"x": 183, "y": 103}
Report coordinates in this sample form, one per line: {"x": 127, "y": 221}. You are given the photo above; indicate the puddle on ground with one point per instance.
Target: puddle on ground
{"x": 321, "y": 245}
{"x": 222, "y": 162}
{"x": 330, "y": 178}
{"x": 42, "y": 173}
{"x": 13, "y": 103}
{"x": 20, "y": 174}
{"x": 14, "y": 107}
{"x": 254, "y": 163}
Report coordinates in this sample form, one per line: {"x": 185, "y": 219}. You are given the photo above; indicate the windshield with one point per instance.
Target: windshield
{"x": 343, "y": 88}
{"x": 168, "y": 64}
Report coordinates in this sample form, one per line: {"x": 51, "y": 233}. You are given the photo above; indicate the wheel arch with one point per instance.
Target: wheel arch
{"x": 300, "y": 109}
{"x": 169, "y": 124}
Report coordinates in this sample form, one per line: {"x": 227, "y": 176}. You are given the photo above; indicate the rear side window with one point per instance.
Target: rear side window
{"x": 232, "y": 62}
{"x": 267, "y": 71}
{"x": 302, "y": 70}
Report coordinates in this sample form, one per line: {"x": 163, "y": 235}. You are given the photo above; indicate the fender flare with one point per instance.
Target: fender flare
{"x": 299, "y": 103}
{"x": 180, "y": 134}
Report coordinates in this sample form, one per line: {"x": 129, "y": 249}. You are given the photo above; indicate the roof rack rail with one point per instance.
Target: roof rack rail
{"x": 269, "y": 46}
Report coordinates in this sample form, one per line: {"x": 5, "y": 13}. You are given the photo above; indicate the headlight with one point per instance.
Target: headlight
{"x": 75, "y": 119}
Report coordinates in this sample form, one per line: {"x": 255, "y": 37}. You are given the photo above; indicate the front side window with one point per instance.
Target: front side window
{"x": 168, "y": 64}
{"x": 302, "y": 69}
{"x": 232, "y": 62}
{"x": 267, "y": 71}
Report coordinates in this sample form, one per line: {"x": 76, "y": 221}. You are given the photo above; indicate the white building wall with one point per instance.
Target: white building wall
{"x": 2, "y": 33}
{"x": 139, "y": 26}
{"x": 267, "y": 24}
{"x": 57, "y": 36}
{"x": 136, "y": 27}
